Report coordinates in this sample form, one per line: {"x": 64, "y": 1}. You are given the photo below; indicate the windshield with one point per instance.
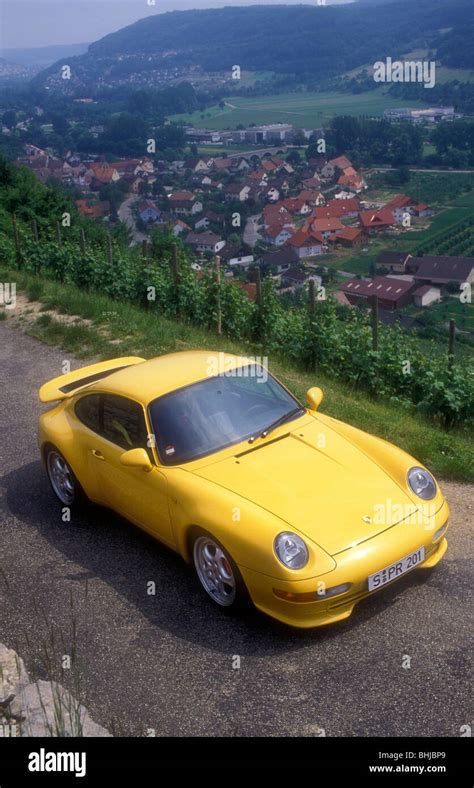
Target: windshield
{"x": 217, "y": 412}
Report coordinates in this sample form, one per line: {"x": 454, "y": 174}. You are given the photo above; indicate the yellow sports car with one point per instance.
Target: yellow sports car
{"x": 270, "y": 500}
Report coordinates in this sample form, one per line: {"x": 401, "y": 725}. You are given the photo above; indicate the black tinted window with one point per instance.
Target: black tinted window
{"x": 124, "y": 422}
{"x": 88, "y": 411}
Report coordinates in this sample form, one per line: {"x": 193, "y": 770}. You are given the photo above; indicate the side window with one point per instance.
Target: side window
{"x": 124, "y": 423}
{"x": 87, "y": 410}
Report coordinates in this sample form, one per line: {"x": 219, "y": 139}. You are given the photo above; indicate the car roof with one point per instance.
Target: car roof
{"x": 150, "y": 379}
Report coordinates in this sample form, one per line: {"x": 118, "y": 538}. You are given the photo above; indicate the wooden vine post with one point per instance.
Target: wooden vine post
{"x": 452, "y": 337}
{"x": 145, "y": 270}
{"x": 312, "y": 315}
{"x": 110, "y": 251}
{"x": 258, "y": 301}
{"x": 34, "y": 230}
{"x": 16, "y": 239}
{"x": 82, "y": 243}
{"x": 218, "y": 288}
{"x": 175, "y": 274}
{"x": 375, "y": 322}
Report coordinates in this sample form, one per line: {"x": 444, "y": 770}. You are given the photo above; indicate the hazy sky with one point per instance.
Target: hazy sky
{"x": 36, "y": 23}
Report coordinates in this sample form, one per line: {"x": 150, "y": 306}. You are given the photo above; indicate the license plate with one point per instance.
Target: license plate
{"x": 393, "y": 571}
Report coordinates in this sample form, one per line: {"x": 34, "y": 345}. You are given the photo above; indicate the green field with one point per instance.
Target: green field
{"x": 443, "y": 73}
{"x": 309, "y": 110}
{"x": 222, "y": 150}
{"x": 450, "y": 308}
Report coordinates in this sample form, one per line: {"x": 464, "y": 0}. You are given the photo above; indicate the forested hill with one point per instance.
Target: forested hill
{"x": 321, "y": 41}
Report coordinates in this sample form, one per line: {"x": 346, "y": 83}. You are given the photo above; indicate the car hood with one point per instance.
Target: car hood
{"x": 318, "y": 482}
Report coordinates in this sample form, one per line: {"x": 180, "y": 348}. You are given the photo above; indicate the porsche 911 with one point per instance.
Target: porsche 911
{"x": 271, "y": 501}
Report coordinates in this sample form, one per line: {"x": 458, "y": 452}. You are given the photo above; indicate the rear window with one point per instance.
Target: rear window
{"x": 124, "y": 422}
{"x": 88, "y": 411}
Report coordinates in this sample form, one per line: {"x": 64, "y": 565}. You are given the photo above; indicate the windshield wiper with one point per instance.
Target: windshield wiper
{"x": 276, "y": 423}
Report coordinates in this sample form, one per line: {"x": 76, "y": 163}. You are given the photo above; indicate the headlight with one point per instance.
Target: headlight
{"x": 422, "y": 483}
{"x": 291, "y": 550}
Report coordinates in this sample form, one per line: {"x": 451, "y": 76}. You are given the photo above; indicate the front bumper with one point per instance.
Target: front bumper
{"x": 354, "y": 566}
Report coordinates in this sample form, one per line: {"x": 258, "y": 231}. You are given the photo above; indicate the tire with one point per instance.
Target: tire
{"x": 62, "y": 479}
{"x": 217, "y": 572}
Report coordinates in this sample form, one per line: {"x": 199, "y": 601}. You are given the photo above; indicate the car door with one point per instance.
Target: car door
{"x": 140, "y": 496}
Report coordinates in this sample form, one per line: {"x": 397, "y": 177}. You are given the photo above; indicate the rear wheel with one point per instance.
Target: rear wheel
{"x": 61, "y": 478}
{"x": 218, "y": 573}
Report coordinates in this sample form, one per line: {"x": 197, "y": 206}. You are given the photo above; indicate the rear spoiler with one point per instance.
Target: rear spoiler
{"x": 69, "y": 384}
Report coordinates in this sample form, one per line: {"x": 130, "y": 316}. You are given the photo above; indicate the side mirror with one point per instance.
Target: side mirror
{"x": 314, "y": 397}
{"x": 136, "y": 458}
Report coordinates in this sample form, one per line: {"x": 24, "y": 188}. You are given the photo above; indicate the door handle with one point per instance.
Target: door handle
{"x": 97, "y": 454}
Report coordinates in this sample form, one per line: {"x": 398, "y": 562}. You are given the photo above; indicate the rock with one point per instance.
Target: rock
{"x": 41, "y": 708}
{"x": 48, "y": 709}
{"x": 13, "y": 675}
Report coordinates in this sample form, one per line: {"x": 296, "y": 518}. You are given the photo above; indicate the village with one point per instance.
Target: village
{"x": 273, "y": 210}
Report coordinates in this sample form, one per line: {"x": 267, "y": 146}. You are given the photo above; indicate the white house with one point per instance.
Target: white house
{"x": 426, "y": 295}
{"x": 205, "y": 242}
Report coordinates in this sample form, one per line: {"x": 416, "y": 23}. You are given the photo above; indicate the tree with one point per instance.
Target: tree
{"x": 60, "y": 124}
{"x": 125, "y": 135}
{"x": 312, "y": 151}
{"x": 403, "y": 175}
{"x": 9, "y": 118}
{"x": 293, "y": 157}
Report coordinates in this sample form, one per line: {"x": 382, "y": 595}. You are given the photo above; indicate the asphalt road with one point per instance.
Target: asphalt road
{"x": 125, "y": 214}
{"x": 165, "y": 662}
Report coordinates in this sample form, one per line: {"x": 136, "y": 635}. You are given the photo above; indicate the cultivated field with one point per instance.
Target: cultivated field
{"x": 309, "y": 110}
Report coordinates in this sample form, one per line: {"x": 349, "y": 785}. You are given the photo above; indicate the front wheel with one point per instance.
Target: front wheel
{"x": 218, "y": 573}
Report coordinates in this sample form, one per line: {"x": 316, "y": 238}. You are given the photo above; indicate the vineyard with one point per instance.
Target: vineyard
{"x": 457, "y": 241}
{"x": 323, "y": 336}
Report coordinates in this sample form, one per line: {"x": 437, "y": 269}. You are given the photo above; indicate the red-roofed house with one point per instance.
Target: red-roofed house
{"x": 103, "y": 172}
{"x": 422, "y": 210}
{"x": 340, "y": 164}
{"x": 306, "y": 244}
{"x": 377, "y": 221}
{"x": 326, "y": 227}
{"x": 277, "y": 235}
{"x": 296, "y": 205}
{"x": 95, "y": 211}
{"x": 351, "y": 236}
{"x": 348, "y": 208}
{"x": 312, "y": 197}
{"x": 353, "y": 183}
{"x": 249, "y": 288}
{"x": 277, "y": 214}
{"x": 400, "y": 206}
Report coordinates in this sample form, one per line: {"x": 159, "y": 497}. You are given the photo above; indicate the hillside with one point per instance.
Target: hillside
{"x": 310, "y": 41}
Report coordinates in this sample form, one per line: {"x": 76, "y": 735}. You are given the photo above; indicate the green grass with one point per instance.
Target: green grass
{"x": 223, "y": 150}
{"x": 451, "y": 308}
{"x": 307, "y": 109}
{"x": 434, "y": 188}
{"x": 443, "y": 73}
{"x": 136, "y": 331}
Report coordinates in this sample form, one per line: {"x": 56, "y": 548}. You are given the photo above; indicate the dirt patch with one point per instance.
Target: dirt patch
{"x": 26, "y": 313}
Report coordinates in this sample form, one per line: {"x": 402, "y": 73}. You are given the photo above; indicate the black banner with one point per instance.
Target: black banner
{"x": 60, "y": 761}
